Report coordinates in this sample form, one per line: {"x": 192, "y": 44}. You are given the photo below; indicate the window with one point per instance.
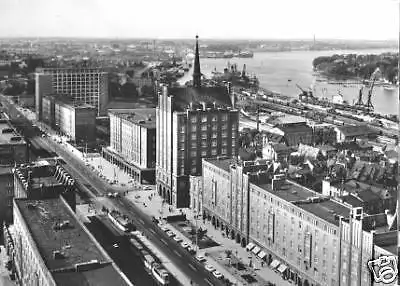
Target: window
{"x": 224, "y": 151}
{"x": 193, "y": 119}
{"x": 224, "y": 117}
{"x": 203, "y": 153}
{"x": 193, "y": 136}
{"x": 214, "y": 152}
{"x": 214, "y": 118}
{"x": 203, "y": 127}
{"x": 194, "y": 128}
{"x": 214, "y": 143}
{"x": 204, "y": 118}
{"x": 193, "y": 153}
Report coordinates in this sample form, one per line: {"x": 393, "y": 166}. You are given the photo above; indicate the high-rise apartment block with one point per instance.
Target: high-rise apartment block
{"x": 86, "y": 85}
{"x": 192, "y": 123}
{"x": 133, "y": 142}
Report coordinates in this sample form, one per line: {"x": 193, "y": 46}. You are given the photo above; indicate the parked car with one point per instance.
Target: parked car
{"x": 191, "y": 250}
{"x": 185, "y": 245}
{"x": 153, "y": 219}
{"x": 200, "y": 258}
{"x": 170, "y": 233}
{"x": 210, "y": 268}
{"x": 178, "y": 239}
{"x": 218, "y": 274}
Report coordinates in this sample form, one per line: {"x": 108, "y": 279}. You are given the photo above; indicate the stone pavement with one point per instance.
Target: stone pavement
{"x": 4, "y": 273}
{"x": 154, "y": 207}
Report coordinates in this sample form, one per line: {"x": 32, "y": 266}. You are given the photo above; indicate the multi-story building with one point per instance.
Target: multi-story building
{"x": 86, "y": 85}
{"x": 13, "y": 148}
{"x": 192, "y": 123}
{"x": 44, "y": 179}
{"x": 133, "y": 142}
{"x": 52, "y": 247}
{"x": 351, "y": 133}
{"x": 48, "y": 108}
{"x": 309, "y": 238}
{"x": 43, "y": 86}
{"x": 6, "y": 193}
{"x": 75, "y": 119}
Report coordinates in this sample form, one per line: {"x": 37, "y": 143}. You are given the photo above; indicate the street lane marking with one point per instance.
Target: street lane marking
{"x": 152, "y": 231}
{"x": 141, "y": 220}
{"x": 208, "y": 282}
{"x": 177, "y": 253}
{"x": 163, "y": 241}
{"x": 191, "y": 266}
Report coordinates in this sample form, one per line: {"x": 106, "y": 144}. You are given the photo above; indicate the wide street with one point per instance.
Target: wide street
{"x": 178, "y": 256}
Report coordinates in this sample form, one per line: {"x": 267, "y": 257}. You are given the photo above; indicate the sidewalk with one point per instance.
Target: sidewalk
{"x": 153, "y": 208}
{"x": 4, "y": 273}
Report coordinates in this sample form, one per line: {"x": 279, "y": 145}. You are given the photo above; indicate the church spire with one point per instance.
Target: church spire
{"x": 196, "y": 69}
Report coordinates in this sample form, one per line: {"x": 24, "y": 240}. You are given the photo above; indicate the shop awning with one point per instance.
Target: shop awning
{"x": 256, "y": 250}
{"x": 282, "y": 268}
{"x": 274, "y": 264}
{"x": 262, "y": 254}
{"x": 250, "y": 246}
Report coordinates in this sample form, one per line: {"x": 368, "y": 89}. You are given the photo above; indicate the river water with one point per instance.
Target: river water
{"x": 281, "y": 71}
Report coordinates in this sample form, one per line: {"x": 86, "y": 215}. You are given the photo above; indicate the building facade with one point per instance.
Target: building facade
{"x": 133, "y": 142}
{"x": 308, "y": 238}
{"x": 75, "y": 120}
{"x": 13, "y": 148}
{"x": 43, "y": 87}
{"x": 88, "y": 85}
{"x": 192, "y": 123}
{"x": 6, "y": 194}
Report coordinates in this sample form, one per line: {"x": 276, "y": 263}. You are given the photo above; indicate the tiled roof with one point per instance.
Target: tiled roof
{"x": 183, "y": 96}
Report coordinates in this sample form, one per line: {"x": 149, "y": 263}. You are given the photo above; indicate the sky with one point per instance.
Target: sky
{"x": 220, "y": 19}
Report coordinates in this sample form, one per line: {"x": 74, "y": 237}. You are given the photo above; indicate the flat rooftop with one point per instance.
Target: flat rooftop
{"x": 325, "y": 210}
{"x": 77, "y": 246}
{"x": 292, "y": 192}
{"x": 223, "y": 163}
{"x": 8, "y": 135}
{"x": 145, "y": 117}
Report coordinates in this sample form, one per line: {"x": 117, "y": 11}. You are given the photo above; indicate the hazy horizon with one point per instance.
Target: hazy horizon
{"x": 359, "y": 20}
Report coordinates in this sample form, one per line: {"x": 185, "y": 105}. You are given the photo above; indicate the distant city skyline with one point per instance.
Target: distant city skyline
{"x": 222, "y": 19}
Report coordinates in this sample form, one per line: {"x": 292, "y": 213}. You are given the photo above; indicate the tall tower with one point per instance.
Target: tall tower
{"x": 196, "y": 69}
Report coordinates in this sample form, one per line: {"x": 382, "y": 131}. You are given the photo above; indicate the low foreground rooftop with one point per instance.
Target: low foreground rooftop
{"x": 54, "y": 227}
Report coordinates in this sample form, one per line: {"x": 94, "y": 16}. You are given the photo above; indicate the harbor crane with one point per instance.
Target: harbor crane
{"x": 304, "y": 94}
{"x": 360, "y": 100}
{"x": 374, "y": 76}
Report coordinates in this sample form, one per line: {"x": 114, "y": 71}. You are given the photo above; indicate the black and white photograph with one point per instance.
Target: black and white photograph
{"x": 199, "y": 142}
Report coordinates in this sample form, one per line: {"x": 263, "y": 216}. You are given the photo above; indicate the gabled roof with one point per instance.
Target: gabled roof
{"x": 278, "y": 147}
{"x": 308, "y": 151}
{"x": 183, "y": 96}
{"x": 359, "y": 130}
